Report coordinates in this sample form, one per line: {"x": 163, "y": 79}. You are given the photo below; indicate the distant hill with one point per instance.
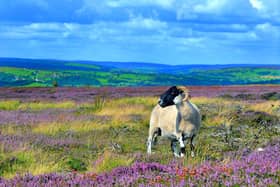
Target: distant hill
{"x": 45, "y": 72}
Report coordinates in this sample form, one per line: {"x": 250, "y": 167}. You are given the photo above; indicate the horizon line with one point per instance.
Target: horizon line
{"x": 137, "y": 62}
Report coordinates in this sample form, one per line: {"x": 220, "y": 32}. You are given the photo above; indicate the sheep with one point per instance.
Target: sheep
{"x": 176, "y": 118}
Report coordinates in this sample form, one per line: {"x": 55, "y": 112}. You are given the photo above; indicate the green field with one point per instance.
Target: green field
{"x": 11, "y": 76}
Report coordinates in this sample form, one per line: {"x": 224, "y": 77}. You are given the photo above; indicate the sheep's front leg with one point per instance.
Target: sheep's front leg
{"x": 174, "y": 148}
{"x": 179, "y": 138}
{"x": 192, "y": 146}
{"x": 182, "y": 146}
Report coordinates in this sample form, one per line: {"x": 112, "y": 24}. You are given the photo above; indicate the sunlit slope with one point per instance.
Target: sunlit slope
{"x": 38, "y": 73}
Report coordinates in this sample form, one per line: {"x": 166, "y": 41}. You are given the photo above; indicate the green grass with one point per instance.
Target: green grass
{"x": 10, "y": 164}
{"x": 17, "y": 71}
{"x": 108, "y": 161}
{"x": 241, "y": 75}
{"x": 34, "y": 106}
{"x": 37, "y": 106}
{"x": 9, "y": 105}
{"x": 96, "y": 76}
{"x": 36, "y": 84}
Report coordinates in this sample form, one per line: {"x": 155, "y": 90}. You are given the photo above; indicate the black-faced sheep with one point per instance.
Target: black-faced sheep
{"x": 176, "y": 118}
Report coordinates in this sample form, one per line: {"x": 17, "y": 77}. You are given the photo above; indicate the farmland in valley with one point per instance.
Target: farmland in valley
{"x": 46, "y": 73}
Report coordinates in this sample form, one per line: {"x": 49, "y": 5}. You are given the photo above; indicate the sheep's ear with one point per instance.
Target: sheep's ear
{"x": 183, "y": 88}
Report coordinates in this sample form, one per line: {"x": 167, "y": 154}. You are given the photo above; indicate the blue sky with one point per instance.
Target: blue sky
{"x": 159, "y": 31}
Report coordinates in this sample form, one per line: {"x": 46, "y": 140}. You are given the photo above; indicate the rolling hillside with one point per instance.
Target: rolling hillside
{"x": 41, "y": 73}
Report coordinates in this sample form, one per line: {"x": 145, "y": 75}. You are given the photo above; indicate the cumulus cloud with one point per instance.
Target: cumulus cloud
{"x": 40, "y": 31}
{"x": 145, "y": 23}
{"x": 257, "y": 4}
{"x": 264, "y": 27}
{"x": 266, "y": 30}
{"x": 269, "y": 9}
{"x": 105, "y": 6}
{"x": 43, "y": 27}
{"x": 125, "y": 3}
{"x": 92, "y": 5}
{"x": 193, "y": 42}
{"x": 210, "y": 6}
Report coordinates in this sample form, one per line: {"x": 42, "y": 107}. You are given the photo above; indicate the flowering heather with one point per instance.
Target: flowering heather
{"x": 11, "y": 142}
{"x": 259, "y": 168}
{"x": 14, "y": 142}
{"x": 88, "y": 94}
{"x": 19, "y": 117}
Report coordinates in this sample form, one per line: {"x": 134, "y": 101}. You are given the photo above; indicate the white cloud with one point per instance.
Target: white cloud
{"x": 269, "y": 9}
{"x": 264, "y": 27}
{"x": 71, "y": 26}
{"x": 104, "y": 6}
{"x": 188, "y": 9}
{"x": 257, "y": 4}
{"x": 135, "y": 3}
{"x": 145, "y": 23}
{"x": 44, "y": 26}
{"x": 210, "y": 6}
{"x": 193, "y": 42}
{"x": 93, "y": 5}
{"x": 192, "y": 9}
{"x": 266, "y": 30}
{"x": 42, "y": 31}
{"x": 239, "y": 27}
{"x": 251, "y": 35}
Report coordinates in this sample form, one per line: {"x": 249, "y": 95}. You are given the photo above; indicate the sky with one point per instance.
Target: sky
{"x": 157, "y": 31}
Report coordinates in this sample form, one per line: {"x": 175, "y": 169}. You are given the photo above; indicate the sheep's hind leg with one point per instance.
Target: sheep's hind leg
{"x": 149, "y": 145}
{"x": 192, "y": 146}
{"x": 152, "y": 139}
{"x": 155, "y": 135}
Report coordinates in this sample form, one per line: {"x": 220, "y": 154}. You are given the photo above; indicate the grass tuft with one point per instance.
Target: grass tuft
{"x": 9, "y": 105}
{"x": 108, "y": 161}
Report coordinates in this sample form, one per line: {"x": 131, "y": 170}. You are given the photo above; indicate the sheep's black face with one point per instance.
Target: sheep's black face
{"x": 166, "y": 99}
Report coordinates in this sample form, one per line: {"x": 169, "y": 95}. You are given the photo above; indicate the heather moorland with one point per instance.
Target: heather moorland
{"x": 97, "y": 137}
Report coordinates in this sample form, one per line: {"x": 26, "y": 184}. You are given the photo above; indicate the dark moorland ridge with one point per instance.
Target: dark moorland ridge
{"x": 253, "y": 92}
{"x": 16, "y": 72}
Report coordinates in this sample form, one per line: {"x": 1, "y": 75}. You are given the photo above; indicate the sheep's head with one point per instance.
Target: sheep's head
{"x": 173, "y": 95}
{"x": 183, "y": 96}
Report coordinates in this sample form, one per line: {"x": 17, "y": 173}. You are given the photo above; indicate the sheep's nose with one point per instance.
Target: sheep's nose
{"x": 160, "y": 102}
